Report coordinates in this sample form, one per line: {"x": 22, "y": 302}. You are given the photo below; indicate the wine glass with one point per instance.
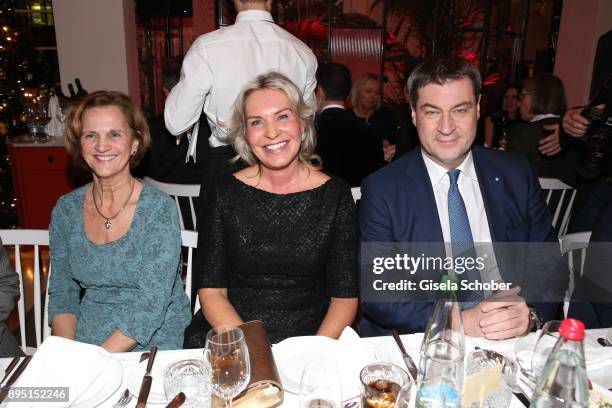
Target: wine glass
{"x": 227, "y": 352}
{"x": 545, "y": 342}
{"x": 320, "y": 386}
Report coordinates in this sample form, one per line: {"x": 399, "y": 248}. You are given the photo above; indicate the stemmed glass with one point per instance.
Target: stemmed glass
{"x": 544, "y": 345}
{"x": 320, "y": 386}
{"x": 227, "y": 352}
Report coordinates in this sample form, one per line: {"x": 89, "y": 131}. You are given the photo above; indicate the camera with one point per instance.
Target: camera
{"x": 596, "y": 159}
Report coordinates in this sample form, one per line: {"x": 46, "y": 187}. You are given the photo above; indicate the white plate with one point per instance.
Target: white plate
{"x": 162, "y": 360}
{"x": 105, "y": 385}
{"x": 293, "y": 353}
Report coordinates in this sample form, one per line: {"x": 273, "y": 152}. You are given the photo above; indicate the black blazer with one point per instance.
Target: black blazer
{"x": 350, "y": 149}
{"x": 524, "y": 139}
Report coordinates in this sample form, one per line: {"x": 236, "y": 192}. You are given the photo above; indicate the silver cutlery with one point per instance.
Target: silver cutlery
{"x": 18, "y": 371}
{"x": 9, "y": 368}
{"x": 604, "y": 342}
{"x": 177, "y": 401}
{"x": 124, "y": 399}
{"x": 126, "y": 396}
{"x": 147, "y": 380}
{"x": 412, "y": 369}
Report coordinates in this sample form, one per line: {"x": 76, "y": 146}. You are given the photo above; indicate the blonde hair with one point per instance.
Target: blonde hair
{"x": 133, "y": 116}
{"x": 238, "y": 124}
{"x": 358, "y": 87}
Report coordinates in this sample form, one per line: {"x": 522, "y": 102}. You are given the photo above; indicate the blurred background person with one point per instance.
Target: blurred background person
{"x": 278, "y": 241}
{"x": 592, "y": 298}
{"x": 115, "y": 243}
{"x": 9, "y": 292}
{"x": 366, "y": 101}
{"x": 406, "y": 137}
{"x": 348, "y": 147}
{"x": 500, "y": 121}
{"x": 542, "y": 103}
{"x": 167, "y": 160}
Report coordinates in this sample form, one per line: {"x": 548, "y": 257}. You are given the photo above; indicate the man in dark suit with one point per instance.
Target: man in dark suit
{"x": 449, "y": 192}
{"x": 167, "y": 160}
{"x": 350, "y": 149}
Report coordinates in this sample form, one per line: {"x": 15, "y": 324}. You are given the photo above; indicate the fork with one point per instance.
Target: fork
{"x": 125, "y": 398}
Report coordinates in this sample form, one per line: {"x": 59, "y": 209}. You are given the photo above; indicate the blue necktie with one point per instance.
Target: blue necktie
{"x": 462, "y": 242}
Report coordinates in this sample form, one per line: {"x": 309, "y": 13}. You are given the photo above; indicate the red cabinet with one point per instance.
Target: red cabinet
{"x": 41, "y": 174}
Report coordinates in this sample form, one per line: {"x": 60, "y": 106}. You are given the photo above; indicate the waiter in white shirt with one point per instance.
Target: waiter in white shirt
{"x": 219, "y": 64}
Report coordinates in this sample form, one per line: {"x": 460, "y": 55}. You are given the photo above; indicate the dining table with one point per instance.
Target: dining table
{"x": 370, "y": 349}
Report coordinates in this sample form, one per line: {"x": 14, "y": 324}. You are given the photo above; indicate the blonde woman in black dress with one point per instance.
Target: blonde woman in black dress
{"x": 278, "y": 240}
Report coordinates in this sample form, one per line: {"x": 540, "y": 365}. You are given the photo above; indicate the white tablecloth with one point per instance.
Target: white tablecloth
{"x": 128, "y": 360}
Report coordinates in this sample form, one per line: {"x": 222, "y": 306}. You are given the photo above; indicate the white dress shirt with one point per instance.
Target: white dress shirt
{"x": 219, "y": 64}
{"x": 474, "y": 205}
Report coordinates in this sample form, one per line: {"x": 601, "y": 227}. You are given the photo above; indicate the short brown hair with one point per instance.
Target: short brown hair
{"x": 548, "y": 94}
{"x": 238, "y": 125}
{"x": 133, "y": 116}
{"x": 360, "y": 84}
{"x": 439, "y": 70}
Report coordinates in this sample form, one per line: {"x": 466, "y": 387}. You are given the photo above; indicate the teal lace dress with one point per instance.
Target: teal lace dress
{"x": 132, "y": 284}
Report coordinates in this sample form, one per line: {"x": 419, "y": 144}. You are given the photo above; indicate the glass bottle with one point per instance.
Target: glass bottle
{"x": 563, "y": 381}
{"x": 441, "y": 368}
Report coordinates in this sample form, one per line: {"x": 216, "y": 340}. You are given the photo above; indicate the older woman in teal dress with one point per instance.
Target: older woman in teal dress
{"x": 115, "y": 243}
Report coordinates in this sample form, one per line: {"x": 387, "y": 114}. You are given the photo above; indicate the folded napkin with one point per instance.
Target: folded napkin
{"x": 60, "y": 362}
{"x": 354, "y": 355}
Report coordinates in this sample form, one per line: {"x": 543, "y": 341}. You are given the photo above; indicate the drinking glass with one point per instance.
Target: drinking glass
{"x": 403, "y": 397}
{"x": 381, "y": 384}
{"x": 480, "y": 360}
{"x": 227, "y": 352}
{"x": 441, "y": 374}
{"x": 545, "y": 342}
{"x": 191, "y": 377}
{"x": 320, "y": 386}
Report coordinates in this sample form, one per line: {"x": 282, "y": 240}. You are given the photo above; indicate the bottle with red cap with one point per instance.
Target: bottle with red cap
{"x": 563, "y": 381}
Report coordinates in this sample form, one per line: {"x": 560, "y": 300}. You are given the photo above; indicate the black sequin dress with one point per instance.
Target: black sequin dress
{"x": 281, "y": 256}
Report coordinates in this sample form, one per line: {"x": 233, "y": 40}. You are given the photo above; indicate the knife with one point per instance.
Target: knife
{"x": 177, "y": 401}
{"x": 522, "y": 398}
{"x": 9, "y": 368}
{"x": 412, "y": 369}
{"x": 22, "y": 366}
{"x": 147, "y": 380}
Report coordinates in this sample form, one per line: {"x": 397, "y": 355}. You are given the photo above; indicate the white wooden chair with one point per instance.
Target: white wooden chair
{"x": 356, "y": 191}
{"x": 574, "y": 246}
{"x": 189, "y": 191}
{"x": 560, "y": 200}
{"x": 190, "y": 242}
{"x": 18, "y": 238}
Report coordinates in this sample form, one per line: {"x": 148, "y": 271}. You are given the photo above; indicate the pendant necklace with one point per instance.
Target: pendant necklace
{"x": 108, "y": 223}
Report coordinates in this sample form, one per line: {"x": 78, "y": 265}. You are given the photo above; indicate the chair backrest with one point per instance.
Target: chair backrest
{"x": 189, "y": 242}
{"x": 19, "y": 238}
{"x": 188, "y": 191}
{"x": 574, "y": 247}
{"x": 356, "y": 191}
{"x": 560, "y": 200}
